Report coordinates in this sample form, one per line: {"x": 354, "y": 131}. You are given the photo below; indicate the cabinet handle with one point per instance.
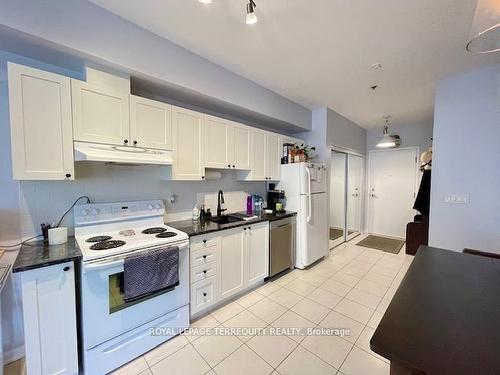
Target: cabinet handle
{"x": 204, "y": 294}
{"x": 135, "y": 142}
{"x": 205, "y": 242}
{"x": 66, "y": 269}
{"x": 202, "y": 177}
{"x": 229, "y": 165}
{"x": 68, "y": 175}
{"x": 205, "y": 272}
{"x": 244, "y": 228}
{"x": 234, "y": 166}
{"x": 204, "y": 257}
{"x": 125, "y": 141}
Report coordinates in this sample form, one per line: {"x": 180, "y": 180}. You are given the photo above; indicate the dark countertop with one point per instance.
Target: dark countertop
{"x": 40, "y": 254}
{"x": 445, "y": 316}
{"x": 198, "y": 228}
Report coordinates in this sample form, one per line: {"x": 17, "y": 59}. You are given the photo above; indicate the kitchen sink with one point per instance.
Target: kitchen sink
{"x": 227, "y": 219}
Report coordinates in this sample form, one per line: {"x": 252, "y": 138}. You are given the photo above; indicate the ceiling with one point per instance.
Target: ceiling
{"x": 320, "y": 52}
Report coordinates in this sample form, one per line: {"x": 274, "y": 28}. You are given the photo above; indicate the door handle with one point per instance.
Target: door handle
{"x": 373, "y": 195}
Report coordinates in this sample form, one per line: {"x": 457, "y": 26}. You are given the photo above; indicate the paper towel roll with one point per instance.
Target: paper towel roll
{"x": 58, "y": 236}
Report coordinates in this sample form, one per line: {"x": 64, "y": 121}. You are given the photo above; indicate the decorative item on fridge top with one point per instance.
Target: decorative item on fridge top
{"x": 297, "y": 153}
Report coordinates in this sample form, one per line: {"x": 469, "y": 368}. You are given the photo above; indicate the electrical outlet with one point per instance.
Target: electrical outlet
{"x": 457, "y": 198}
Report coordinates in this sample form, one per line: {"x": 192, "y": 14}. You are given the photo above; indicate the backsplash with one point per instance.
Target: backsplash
{"x": 46, "y": 201}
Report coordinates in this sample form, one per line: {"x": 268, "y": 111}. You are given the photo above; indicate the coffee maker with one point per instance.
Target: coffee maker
{"x": 276, "y": 199}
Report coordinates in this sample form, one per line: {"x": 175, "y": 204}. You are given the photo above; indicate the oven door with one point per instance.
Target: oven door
{"x": 105, "y": 314}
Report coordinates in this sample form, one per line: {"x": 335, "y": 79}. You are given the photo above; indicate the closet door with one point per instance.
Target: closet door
{"x": 338, "y": 175}
{"x": 354, "y": 195}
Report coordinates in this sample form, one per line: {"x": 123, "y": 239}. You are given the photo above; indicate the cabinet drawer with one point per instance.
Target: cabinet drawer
{"x": 203, "y": 242}
{"x": 203, "y": 256}
{"x": 203, "y": 272}
{"x": 203, "y": 294}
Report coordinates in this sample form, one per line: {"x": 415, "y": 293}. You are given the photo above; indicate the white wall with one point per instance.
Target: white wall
{"x": 342, "y": 132}
{"x": 466, "y": 160}
{"x": 83, "y": 28}
{"x": 411, "y": 135}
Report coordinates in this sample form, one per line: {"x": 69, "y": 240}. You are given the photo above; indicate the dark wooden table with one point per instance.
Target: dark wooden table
{"x": 445, "y": 316}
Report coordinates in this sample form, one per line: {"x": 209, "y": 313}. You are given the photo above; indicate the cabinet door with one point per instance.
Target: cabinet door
{"x": 231, "y": 262}
{"x": 41, "y": 126}
{"x": 273, "y": 157}
{"x": 203, "y": 294}
{"x": 49, "y": 312}
{"x": 150, "y": 123}
{"x": 218, "y": 143}
{"x": 258, "y": 252}
{"x": 100, "y": 115}
{"x": 241, "y": 145}
{"x": 259, "y": 156}
{"x": 187, "y": 132}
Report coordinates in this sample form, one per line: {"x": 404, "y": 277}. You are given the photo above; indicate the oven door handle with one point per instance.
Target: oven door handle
{"x": 101, "y": 265}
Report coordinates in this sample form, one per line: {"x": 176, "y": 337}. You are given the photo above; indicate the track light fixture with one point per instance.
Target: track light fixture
{"x": 251, "y": 16}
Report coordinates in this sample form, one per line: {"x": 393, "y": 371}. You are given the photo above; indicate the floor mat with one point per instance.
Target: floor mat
{"x": 389, "y": 245}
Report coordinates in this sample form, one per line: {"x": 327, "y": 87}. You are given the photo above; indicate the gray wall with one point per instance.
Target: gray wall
{"x": 84, "y": 29}
{"x": 411, "y": 135}
{"x": 466, "y": 160}
{"x": 342, "y": 132}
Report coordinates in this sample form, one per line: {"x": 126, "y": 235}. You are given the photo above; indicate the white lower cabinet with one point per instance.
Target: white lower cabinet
{"x": 232, "y": 261}
{"x": 257, "y": 252}
{"x": 49, "y": 312}
{"x": 227, "y": 262}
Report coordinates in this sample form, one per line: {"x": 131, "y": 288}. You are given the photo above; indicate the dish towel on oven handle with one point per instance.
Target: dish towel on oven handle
{"x": 150, "y": 272}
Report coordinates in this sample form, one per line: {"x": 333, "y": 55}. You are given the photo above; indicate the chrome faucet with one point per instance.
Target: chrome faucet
{"x": 220, "y": 203}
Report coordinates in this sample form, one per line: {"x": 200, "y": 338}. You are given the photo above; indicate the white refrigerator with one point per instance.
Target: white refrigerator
{"x": 305, "y": 188}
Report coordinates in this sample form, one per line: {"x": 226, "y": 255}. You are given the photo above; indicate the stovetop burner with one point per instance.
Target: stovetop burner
{"x": 154, "y": 230}
{"x": 98, "y": 239}
{"x": 105, "y": 245}
{"x": 166, "y": 234}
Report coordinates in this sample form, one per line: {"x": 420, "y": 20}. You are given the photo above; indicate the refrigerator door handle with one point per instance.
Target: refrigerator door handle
{"x": 309, "y": 208}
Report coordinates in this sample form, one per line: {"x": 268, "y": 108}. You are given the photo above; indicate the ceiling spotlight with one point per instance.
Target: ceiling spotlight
{"x": 205, "y": 1}
{"x": 388, "y": 141}
{"x": 251, "y": 16}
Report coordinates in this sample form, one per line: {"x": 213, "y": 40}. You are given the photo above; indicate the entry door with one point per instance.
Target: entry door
{"x": 392, "y": 189}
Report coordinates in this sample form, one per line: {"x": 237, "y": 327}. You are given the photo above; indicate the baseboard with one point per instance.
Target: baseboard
{"x": 13, "y": 354}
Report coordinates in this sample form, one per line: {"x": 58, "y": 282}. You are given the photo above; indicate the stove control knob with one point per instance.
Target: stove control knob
{"x": 150, "y": 207}
{"x": 96, "y": 211}
{"x": 85, "y": 212}
{"x": 157, "y": 206}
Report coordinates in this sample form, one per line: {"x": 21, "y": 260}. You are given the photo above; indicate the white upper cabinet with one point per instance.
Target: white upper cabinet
{"x": 41, "y": 127}
{"x": 258, "y": 252}
{"x": 227, "y": 144}
{"x": 241, "y": 144}
{"x": 100, "y": 114}
{"x": 219, "y": 148}
{"x": 265, "y": 159}
{"x": 258, "y": 164}
{"x": 188, "y": 145}
{"x": 273, "y": 156}
{"x": 150, "y": 123}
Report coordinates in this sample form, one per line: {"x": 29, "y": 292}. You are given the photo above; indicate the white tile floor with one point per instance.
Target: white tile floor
{"x": 349, "y": 289}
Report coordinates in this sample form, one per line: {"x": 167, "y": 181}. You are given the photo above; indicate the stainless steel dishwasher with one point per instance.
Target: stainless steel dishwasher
{"x": 281, "y": 245}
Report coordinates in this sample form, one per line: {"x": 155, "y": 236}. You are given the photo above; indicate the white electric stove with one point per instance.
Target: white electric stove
{"x": 114, "y": 331}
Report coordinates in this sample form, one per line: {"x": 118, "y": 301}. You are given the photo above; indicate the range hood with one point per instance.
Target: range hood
{"x": 121, "y": 154}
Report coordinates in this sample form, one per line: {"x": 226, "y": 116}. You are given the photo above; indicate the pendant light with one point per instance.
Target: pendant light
{"x": 485, "y": 30}
{"x": 251, "y": 16}
{"x": 388, "y": 141}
